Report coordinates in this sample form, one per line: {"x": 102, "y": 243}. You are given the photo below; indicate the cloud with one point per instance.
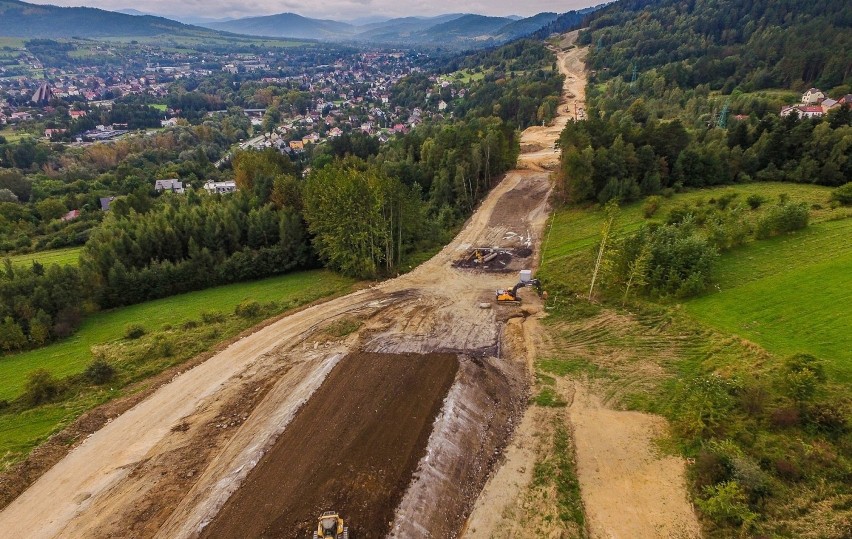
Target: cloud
{"x": 333, "y": 9}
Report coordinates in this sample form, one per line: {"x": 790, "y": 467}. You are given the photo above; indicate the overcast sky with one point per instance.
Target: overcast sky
{"x": 332, "y": 9}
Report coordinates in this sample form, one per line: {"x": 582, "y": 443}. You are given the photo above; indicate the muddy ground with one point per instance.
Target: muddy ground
{"x": 350, "y": 449}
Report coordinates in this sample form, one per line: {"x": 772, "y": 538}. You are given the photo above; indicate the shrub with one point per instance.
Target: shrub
{"x": 189, "y": 324}
{"x": 134, "y": 331}
{"x": 99, "y": 372}
{"x": 843, "y": 194}
{"x": 212, "y": 317}
{"x": 41, "y": 387}
{"x": 787, "y": 469}
{"x": 781, "y": 219}
{"x": 725, "y": 200}
{"x": 755, "y": 201}
{"x": 829, "y": 417}
{"x": 652, "y": 204}
{"x": 709, "y": 469}
{"x": 668, "y": 192}
{"x": 785, "y": 417}
{"x": 248, "y": 309}
{"x": 727, "y": 503}
{"x": 166, "y": 348}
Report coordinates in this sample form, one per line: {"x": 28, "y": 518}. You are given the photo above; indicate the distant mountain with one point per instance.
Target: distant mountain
{"x": 457, "y": 29}
{"x": 467, "y": 27}
{"x": 525, "y": 27}
{"x": 20, "y": 19}
{"x": 286, "y": 25}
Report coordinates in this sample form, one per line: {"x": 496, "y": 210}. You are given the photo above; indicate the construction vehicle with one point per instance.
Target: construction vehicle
{"x": 510, "y": 297}
{"x": 330, "y": 526}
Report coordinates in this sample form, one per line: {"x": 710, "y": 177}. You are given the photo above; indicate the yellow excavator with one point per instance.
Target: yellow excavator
{"x": 330, "y": 526}
{"x": 510, "y": 297}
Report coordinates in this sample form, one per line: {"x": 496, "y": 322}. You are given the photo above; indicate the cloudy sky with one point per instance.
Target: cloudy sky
{"x": 333, "y": 9}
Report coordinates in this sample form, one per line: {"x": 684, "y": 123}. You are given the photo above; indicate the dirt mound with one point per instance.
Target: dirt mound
{"x": 357, "y": 442}
{"x": 486, "y": 259}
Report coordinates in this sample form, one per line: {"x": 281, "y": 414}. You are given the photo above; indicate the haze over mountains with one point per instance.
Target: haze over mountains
{"x": 454, "y": 28}
{"x": 21, "y": 19}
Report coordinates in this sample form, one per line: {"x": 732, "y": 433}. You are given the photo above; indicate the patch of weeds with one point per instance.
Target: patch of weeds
{"x": 343, "y": 327}
{"x": 544, "y": 379}
{"x": 548, "y": 397}
{"x": 134, "y": 331}
{"x": 567, "y": 484}
{"x": 564, "y": 367}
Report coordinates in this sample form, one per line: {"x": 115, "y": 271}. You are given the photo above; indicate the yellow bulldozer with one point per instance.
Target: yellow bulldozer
{"x": 330, "y": 526}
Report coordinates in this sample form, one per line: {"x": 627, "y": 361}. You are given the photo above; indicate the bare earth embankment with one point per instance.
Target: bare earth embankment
{"x": 243, "y": 433}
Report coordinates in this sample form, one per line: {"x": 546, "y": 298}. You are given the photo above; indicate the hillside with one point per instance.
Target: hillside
{"x": 726, "y": 43}
{"x": 525, "y": 27}
{"x": 36, "y": 21}
{"x": 286, "y": 25}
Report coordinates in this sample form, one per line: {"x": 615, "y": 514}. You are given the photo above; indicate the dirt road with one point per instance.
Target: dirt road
{"x": 628, "y": 489}
{"x": 167, "y": 467}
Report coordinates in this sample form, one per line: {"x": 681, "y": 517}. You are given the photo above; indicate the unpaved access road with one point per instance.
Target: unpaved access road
{"x": 167, "y": 467}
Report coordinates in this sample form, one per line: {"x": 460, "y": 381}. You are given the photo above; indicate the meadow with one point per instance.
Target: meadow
{"x": 176, "y": 329}
{"x": 789, "y": 294}
{"x": 63, "y": 257}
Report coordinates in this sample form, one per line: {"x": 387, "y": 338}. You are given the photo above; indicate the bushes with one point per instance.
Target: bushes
{"x": 41, "y": 387}
{"x": 99, "y": 372}
{"x": 781, "y": 219}
{"x": 726, "y": 502}
{"x": 843, "y": 194}
{"x": 755, "y": 201}
{"x": 248, "y": 309}
{"x": 652, "y": 204}
{"x": 680, "y": 263}
{"x": 134, "y": 331}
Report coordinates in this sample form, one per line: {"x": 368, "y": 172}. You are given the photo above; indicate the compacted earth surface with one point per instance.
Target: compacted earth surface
{"x": 392, "y": 405}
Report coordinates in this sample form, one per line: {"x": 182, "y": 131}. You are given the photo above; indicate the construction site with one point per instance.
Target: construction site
{"x": 396, "y": 426}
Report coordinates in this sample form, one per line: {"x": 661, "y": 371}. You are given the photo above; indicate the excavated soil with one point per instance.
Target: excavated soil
{"x": 352, "y": 448}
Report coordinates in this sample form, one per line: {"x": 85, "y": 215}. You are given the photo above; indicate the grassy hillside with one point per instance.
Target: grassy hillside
{"x": 768, "y": 433}
{"x": 789, "y": 294}
{"x": 71, "y": 356}
{"x": 177, "y": 329}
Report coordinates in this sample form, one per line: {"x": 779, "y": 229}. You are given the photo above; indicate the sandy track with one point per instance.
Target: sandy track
{"x": 629, "y": 490}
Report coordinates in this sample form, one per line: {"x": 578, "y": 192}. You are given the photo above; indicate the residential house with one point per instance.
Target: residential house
{"x": 297, "y": 146}
{"x": 220, "y": 188}
{"x": 812, "y": 97}
{"x": 173, "y": 185}
{"x": 48, "y": 133}
{"x": 77, "y": 114}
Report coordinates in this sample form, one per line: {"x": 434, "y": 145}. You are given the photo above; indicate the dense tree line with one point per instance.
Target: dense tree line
{"x": 38, "y": 304}
{"x": 626, "y": 155}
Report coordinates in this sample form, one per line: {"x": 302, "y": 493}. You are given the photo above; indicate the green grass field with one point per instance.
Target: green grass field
{"x": 788, "y": 294}
{"x": 63, "y": 257}
{"x": 160, "y": 106}
{"x": 71, "y": 356}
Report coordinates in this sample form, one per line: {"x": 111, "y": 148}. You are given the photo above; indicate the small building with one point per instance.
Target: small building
{"x": 48, "y": 133}
{"x": 442, "y": 105}
{"x": 297, "y": 146}
{"x": 812, "y": 96}
{"x": 77, "y": 114}
{"x": 71, "y": 215}
{"x": 105, "y": 203}
{"x": 173, "y": 185}
{"x": 220, "y": 188}
{"x": 803, "y": 111}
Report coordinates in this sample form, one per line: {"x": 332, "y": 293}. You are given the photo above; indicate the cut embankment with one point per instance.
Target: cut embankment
{"x": 352, "y": 448}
